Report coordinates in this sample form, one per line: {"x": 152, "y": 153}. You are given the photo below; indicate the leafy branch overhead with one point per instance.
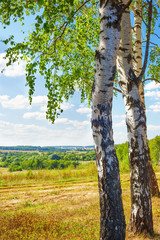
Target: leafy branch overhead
{"x": 56, "y": 47}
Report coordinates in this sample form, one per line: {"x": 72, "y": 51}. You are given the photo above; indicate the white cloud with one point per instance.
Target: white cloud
{"x": 153, "y": 127}
{"x": 22, "y": 102}
{"x": 156, "y": 107}
{"x": 66, "y": 106}
{"x": 4, "y": 98}
{"x": 62, "y": 120}
{"x": 21, "y": 134}
{"x": 15, "y": 70}
{"x": 36, "y": 115}
{"x": 120, "y": 137}
{"x": 83, "y": 110}
{"x": 39, "y": 100}
{"x": 75, "y": 123}
{"x": 120, "y": 124}
{"x": 79, "y": 124}
{"x": 43, "y": 108}
{"x": 155, "y": 94}
{"x": 89, "y": 115}
{"x": 152, "y": 85}
{"x": 19, "y": 102}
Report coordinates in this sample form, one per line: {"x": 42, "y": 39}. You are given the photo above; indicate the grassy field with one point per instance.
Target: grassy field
{"x": 58, "y": 205}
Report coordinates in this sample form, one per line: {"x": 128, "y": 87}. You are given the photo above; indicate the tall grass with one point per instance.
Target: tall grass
{"x": 84, "y": 171}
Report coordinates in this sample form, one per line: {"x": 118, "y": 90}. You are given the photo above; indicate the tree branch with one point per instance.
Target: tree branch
{"x": 65, "y": 24}
{"x": 144, "y": 22}
{"x": 154, "y": 79}
{"x": 81, "y": 6}
{"x": 116, "y": 89}
{"x": 151, "y": 43}
{"x": 148, "y": 41}
{"x": 156, "y": 35}
{"x": 132, "y": 8}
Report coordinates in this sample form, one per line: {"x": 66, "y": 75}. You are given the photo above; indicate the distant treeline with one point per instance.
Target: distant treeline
{"x": 17, "y": 161}
{"x": 47, "y": 148}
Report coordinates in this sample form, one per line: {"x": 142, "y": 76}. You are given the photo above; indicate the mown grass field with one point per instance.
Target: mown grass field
{"x": 58, "y": 205}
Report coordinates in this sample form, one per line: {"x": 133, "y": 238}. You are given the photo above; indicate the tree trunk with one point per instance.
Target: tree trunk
{"x": 153, "y": 181}
{"x": 137, "y": 64}
{"x": 141, "y": 208}
{"x": 112, "y": 220}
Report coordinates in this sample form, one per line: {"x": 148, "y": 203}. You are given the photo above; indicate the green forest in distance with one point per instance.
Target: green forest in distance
{"x": 20, "y": 158}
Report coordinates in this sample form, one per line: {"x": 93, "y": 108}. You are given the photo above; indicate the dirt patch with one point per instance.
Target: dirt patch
{"x": 12, "y": 198}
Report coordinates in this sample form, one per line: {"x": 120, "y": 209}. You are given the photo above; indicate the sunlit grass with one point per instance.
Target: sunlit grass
{"x": 58, "y": 205}
{"x": 87, "y": 171}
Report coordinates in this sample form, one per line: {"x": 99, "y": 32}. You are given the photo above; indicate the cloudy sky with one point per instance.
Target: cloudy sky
{"x": 22, "y": 124}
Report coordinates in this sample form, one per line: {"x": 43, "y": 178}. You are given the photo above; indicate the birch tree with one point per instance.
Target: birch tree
{"x": 137, "y": 66}
{"x": 141, "y": 208}
{"x": 112, "y": 223}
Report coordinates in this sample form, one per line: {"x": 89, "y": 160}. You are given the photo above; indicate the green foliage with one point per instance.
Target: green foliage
{"x": 16, "y": 161}
{"x": 155, "y": 63}
{"x": 15, "y": 167}
{"x": 122, "y": 151}
{"x": 60, "y": 46}
{"x": 154, "y": 54}
{"x": 154, "y": 145}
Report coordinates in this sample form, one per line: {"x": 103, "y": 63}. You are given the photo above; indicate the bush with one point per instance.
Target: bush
{"x": 15, "y": 167}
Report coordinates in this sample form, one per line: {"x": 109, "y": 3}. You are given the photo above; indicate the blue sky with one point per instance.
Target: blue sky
{"x": 22, "y": 124}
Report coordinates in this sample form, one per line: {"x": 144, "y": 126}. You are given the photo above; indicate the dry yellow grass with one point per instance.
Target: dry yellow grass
{"x": 58, "y": 205}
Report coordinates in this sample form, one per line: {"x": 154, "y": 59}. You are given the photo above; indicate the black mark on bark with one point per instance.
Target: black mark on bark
{"x": 103, "y": 108}
{"x": 97, "y": 55}
{"x": 109, "y": 85}
{"x": 106, "y": 38}
{"x": 131, "y": 74}
{"x": 123, "y": 49}
{"x": 129, "y": 58}
{"x": 103, "y": 18}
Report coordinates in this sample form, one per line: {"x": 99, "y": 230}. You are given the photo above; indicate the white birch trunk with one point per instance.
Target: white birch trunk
{"x": 137, "y": 46}
{"x": 141, "y": 208}
{"x": 112, "y": 221}
{"x": 137, "y": 64}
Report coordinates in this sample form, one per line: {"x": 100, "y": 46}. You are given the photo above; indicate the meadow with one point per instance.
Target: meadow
{"x": 59, "y": 204}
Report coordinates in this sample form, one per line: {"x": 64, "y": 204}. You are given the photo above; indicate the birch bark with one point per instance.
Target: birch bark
{"x": 137, "y": 64}
{"x": 112, "y": 220}
{"x": 141, "y": 208}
